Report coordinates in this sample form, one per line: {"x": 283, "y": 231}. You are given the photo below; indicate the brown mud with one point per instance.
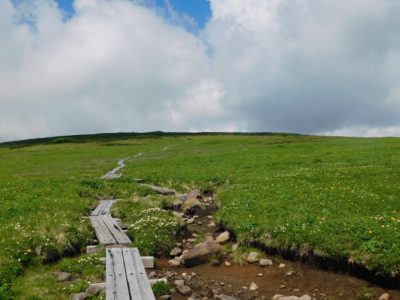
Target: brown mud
{"x": 294, "y": 278}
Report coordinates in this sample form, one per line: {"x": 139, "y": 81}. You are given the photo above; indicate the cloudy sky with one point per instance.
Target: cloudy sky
{"x": 305, "y": 66}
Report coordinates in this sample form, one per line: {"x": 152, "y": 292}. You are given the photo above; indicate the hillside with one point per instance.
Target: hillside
{"x": 329, "y": 201}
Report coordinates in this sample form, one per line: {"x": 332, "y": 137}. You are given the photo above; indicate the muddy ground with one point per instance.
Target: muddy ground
{"x": 291, "y": 279}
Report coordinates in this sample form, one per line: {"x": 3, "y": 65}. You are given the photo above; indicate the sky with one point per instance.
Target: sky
{"x": 306, "y": 66}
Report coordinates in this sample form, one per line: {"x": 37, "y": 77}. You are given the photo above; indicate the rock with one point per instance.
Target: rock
{"x": 281, "y": 266}
{"x": 191, "y": 205}
{"x": 227, "y": 264}
{"x": 282, "y": 297}
{"x": 165, "y": 297}
{"x": 190, "y": 221}
{"x": 152, "y": 275}
{"x": 199, "y": 253}
{"x": 235, "y": 247}
{"x": 265, "y": 262}
{"x": 174, "y": 262}
{"x": 79, "y": 296}
{"x": 252, "y": 257}
{"x": 95, "y": 288}
{"x": 184, "y": 290}
{"x": 223, "y": 237}
{"x": 179, "y": 282}
{"x": 63, "y": 276}
{"x": 290, "y": 273}
{"x": 176, "y": 251}
{"x": 224, "y": 297}
{"x": 211, "y": 225}
{"x": 253, "y": 287}
{"x": 260, "y": 274}
{"x": 186, "y": 277}
{"x": 385, "y": 296}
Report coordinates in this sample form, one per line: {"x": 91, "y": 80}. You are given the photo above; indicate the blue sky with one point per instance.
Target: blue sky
{"x": 199, "y": 10}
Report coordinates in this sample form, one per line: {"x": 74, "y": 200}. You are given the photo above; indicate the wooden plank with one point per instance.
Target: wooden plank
{"x": 119, "y": 236}
{"x": 103, "y": 234}
{"x": 159, "y": 190}
{"x": 98, "y": 208}
{"x": 106, "y": 209}
{"x": 116, "y": 282}
{"x": 136, "y": 275}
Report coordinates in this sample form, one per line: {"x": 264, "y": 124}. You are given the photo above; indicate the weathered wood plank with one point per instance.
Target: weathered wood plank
{"x": 117, "y": 285}
{"x": 103, "y": 234}
{"x": 159, "y": 190}
{"x": 136, "y": 274}
{"x": 119, "y": 236}
{"x": 106, "y": 209}
{"x": 98, "y": 208}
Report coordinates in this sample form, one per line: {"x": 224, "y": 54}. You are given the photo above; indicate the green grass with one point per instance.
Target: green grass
{"x": 334, "y": 197}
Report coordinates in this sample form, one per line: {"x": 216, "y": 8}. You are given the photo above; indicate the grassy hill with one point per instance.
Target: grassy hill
{"x": 324, "y": 197}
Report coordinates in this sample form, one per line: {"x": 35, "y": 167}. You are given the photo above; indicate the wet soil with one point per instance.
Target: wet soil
{"x": 294, "y": 278}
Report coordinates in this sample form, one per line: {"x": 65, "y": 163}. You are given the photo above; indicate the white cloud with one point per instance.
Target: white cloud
{"x": 306, "y": 66}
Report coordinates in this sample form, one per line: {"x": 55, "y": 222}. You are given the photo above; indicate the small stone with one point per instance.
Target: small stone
{"x": 152, "y": 275}
{"x": 63, "y": 276}
{"x": 253, "y": 287}
{"x": 385, "y": 296}
{"x": 184, "y": 290}
{"x": 252, "y": 257}
{"x": 95, "y": 288}
{"x": 211, "y": 225}
{"x": 265, "y": 262}
{"x": 190, "y": 221}
{"x": 174, "y": 263}
{"x": 290, "y": 273}
{"x": 165, "y": 297}
{"x": 179, "y": 282}
{"x": 186, "y": 277}
{"x": 235, "y": 247}
{"x": 199, "y": 223}
{"x": 260, "y": 274}
{"x": 176, "y": 251}
{"x": 227, "y": 264}
{"x": 79, "y": 296}
{"x": 282, "y": 286}
{"x": 281, "y": 266}
{"x": 222, "y": 283}
{"x": 209, "y": 217}
{"x": 223, "y": 237}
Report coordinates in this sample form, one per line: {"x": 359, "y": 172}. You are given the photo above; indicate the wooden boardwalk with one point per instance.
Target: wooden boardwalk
{"x": 107, "y": 230}
{"x": 126, "y": 276}
{"x": 104, "y": 208}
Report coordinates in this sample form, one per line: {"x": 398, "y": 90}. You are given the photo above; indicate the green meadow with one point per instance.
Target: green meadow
{"x": 326, "y": 196}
